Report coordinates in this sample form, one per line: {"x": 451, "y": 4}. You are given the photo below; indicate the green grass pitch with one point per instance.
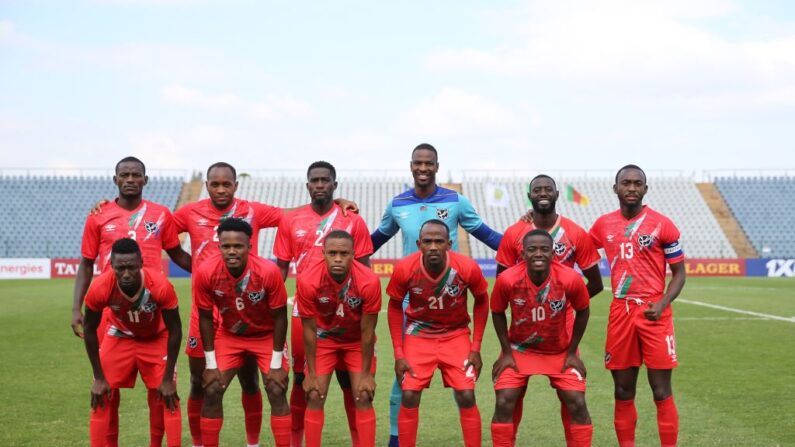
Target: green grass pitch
{"x": 734, "y": 385}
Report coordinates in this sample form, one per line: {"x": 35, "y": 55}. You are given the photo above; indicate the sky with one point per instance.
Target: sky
{"x": 498, "y": 85}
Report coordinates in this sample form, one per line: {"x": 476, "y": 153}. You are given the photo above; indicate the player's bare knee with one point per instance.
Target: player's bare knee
{"x": 661, "y": 391}
{"x": 196, "y": 388}
{"x": 578, "y": 409}
{"x": 278, "y": 402}
{"x": 624, "y": 391}
{"x": 411, "y": 398}
{"x": 465, "y": 398}
{"x": 314, "y": 401}
{"x": 504, "y": 404}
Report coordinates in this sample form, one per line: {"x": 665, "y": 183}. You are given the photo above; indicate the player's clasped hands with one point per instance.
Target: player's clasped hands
{"x": 311, "y": 385}
{"x": 475, "y": 362}
{"x": 366, "y": 387}
{"x": 167, "y": 391}
{"x": 100, "y": 393}
{"x": 277, "y": 377}
{"x": 503, "y": 361}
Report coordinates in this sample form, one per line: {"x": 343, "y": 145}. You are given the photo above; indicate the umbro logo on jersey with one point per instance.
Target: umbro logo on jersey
{"x": 218, "y": 292}
{"x": 442, "y": 213}
{"x": 115, "y": 307}
{"x": 559, "y": 248}
{"x": 609, "y": 238}
{"x": 519, "y": 301}
{"x": 557, "y": 306}
{"x": 300, "y": 233}
{"x": 202, "y": 222}
{"x": 453, "y": 289}
{"x": 256, "y": 297}
{"x": 416, "y": 290}
{"x": 323, "y": 300}
{"x": 353, "y": 301}
{"x": 645, "y": 240}
{"x": 403, "y": 215}
{"x": 110, "y": 228}
{"x": 151, "y": 227}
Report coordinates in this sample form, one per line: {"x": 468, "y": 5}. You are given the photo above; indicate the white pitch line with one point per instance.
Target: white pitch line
{"x": 739, "y": 311}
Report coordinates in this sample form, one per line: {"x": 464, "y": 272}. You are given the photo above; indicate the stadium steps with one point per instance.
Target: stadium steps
{"x": 463, "y": 236}
{"x": 734, "y": 232}
{"x": 190, "y": 192}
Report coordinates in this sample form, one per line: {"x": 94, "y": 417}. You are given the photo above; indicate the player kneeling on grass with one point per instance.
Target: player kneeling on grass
{"x": 436, "y": 334}
{"x": 250, "y": 296}
{"x": 339, "y": 301}
{"x": 539, "y": 291}
{"x": 144, "y": 334}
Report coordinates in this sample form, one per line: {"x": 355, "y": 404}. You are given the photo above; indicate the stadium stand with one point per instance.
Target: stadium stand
{"x": 676, "y": 197}
{"x": 43, "y": 216}
{"x": 763, "y": 207}
{"x": 370, "y": 193}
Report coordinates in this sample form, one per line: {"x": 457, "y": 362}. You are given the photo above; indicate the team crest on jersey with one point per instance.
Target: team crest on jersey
{"x": 452, "y": 289}
{"x": 442, "y": 213}
{"x": 353, "y": 301}
{"x": 645, "y": 240}
{"x": 559, "y": 248}
{"x": 519, "y": 301}
{"x": 323, "y": 300}
{"x": 110, "y": 228}
{"x": 256, "y": 297}
{"x": 150, "y": 227}
{"x": 557, "y": 305}
{"x": 149, "y": 307}
{"x": 193, "y": 342}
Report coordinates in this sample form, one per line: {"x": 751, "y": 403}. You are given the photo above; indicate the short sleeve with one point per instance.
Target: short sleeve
{"x": 596, "y": 234}
{"x": 277, "y": 293}
{"x": 96, "y": 297}
{"x": 476, "y": 281}
{"x": 282, "y": 246}
{"x": 201, "y": 291}
{"x": 266, "y": 216}
{"x": 89, "y": 247}
{"x": 166, "y": 296}
{"x": 507, "y": 253}
{"x": 585, "y": 253}
{"x": 372, "y": 298}
{"x": 500, "y": 294}
{"x": 398, "y": 283}
{"x": 669, "y": 237}
{"x": 577, "y": 293}
{"x": 169, "y": 236}
{"x": 362, "y": 244}
{"x": 304, "y": 295}
{"x": 468, "y": 218}
{"x": 388, "y": 224}
{"x": 181, "y": 218}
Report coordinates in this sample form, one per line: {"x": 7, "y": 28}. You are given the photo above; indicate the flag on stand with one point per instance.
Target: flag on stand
{"x": 497, "y": 196}
{"x": 572, "y": 195}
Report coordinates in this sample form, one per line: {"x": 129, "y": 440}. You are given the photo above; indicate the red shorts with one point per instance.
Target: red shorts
{"x": 330, "y": 357}
{"x": 633, "y": 340}
{"x": 123, "y": 358}
{"x": 297, "y": 344}
{"x": 531, "y": 363}
{"x": 448, "y": 354}
{"x": 231, "y": 351}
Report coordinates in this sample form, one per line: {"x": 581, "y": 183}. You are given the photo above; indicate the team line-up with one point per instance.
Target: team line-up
{"x": 129, "y": 319}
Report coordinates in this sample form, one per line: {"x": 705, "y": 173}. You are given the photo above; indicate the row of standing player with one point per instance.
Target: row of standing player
{"x": 428, "y": 199}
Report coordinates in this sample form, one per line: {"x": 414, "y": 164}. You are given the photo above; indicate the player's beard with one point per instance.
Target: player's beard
{"x": 538, "y": 210}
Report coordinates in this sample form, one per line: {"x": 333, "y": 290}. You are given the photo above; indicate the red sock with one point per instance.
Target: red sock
{"x": 252, "y": 407}
{"x": 667, "y": 421}
{"x": 408, "y": 421}
{"x": 625, "y": 417}
{"x": 517, "y": 413}
{"x": 471, "y": 426}
{"x": 350, "y": 412}
{"x": 172, "y": 420}
{"x": 565, "y": 418}
{"x": 156, "y": 427}
{"x": 112, "y": 436}
{"x": 211, "y": 428}
{"x": 313, "y": 427}
{"x": 281, "y": 427}
{"x": 502, "y": 434}
{"x": 581, "y": 435}
{"x": 365, "y": 426}
{"x": 98, "y": 424}
{"x": 297, "y": 409}
{"x": 194, "y": 420}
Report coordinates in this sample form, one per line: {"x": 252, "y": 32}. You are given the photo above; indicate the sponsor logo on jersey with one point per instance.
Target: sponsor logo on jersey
{"x": 150, "y": 227}
{"x": 300, "y": 233}
{"x": 115, "y": 307}
{"x": 256, "y": 297}
{"x": 519, "y": 301}
{"x": 557, "y": 305}
{"x": 442, "y": 213}
{"x": 323, "y": 300}
{"x": 193, "y": 342}
{"x": 645, "y": 240}
{"x": 218, "y": 292}
{"x": 353, "y": 301}
{"x": 559, "y": 248}
{"x": 452, "y": 289}
{"x": 416, "y": 290}
{"x": 110, "y": 228}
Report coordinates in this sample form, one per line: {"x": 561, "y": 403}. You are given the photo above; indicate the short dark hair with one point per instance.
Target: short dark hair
{"x": 222, "y": 164}
{"x": 125, "y": 246}
{"x": 540, "y": 176}
{"x": 130, "y": 159}
{"x": 325, "y": 165}
{"x": 537, "y": 232}
{"x": 436, "y": 222}
{"x": 631, "y": 166}
{"x": 338, "y": 234}
{"x": 426, "y": 147}
{"x": 234, "y": 224}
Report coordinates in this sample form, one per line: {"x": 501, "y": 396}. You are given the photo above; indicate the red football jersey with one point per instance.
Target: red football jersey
{"x": 437, "y": 306}
{"x": 572, "y": 244}
{"x": 338, "y": 308}
{"x": 637, "y": 250}
{"x": 244, "y": 303}
{"x": 201, "y": 219}
{"x": 302, "y": 231}
{"x": 137, "y": 316}
{"x": 151, "y": 225}
{"x": 539, "y": 317}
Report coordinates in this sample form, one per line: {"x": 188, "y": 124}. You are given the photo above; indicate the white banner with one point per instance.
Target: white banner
{"x": 497, "y": 195}
{"x": 24, "y": 268}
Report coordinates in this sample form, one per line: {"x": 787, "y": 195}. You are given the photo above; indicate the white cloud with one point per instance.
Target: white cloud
{"x": 152, "y": 2}
{"x": 184, "y": 96}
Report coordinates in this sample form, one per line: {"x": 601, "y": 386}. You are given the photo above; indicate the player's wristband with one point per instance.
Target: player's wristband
{"x": 276, "y": 359}
{"x": 209, "y": 359}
